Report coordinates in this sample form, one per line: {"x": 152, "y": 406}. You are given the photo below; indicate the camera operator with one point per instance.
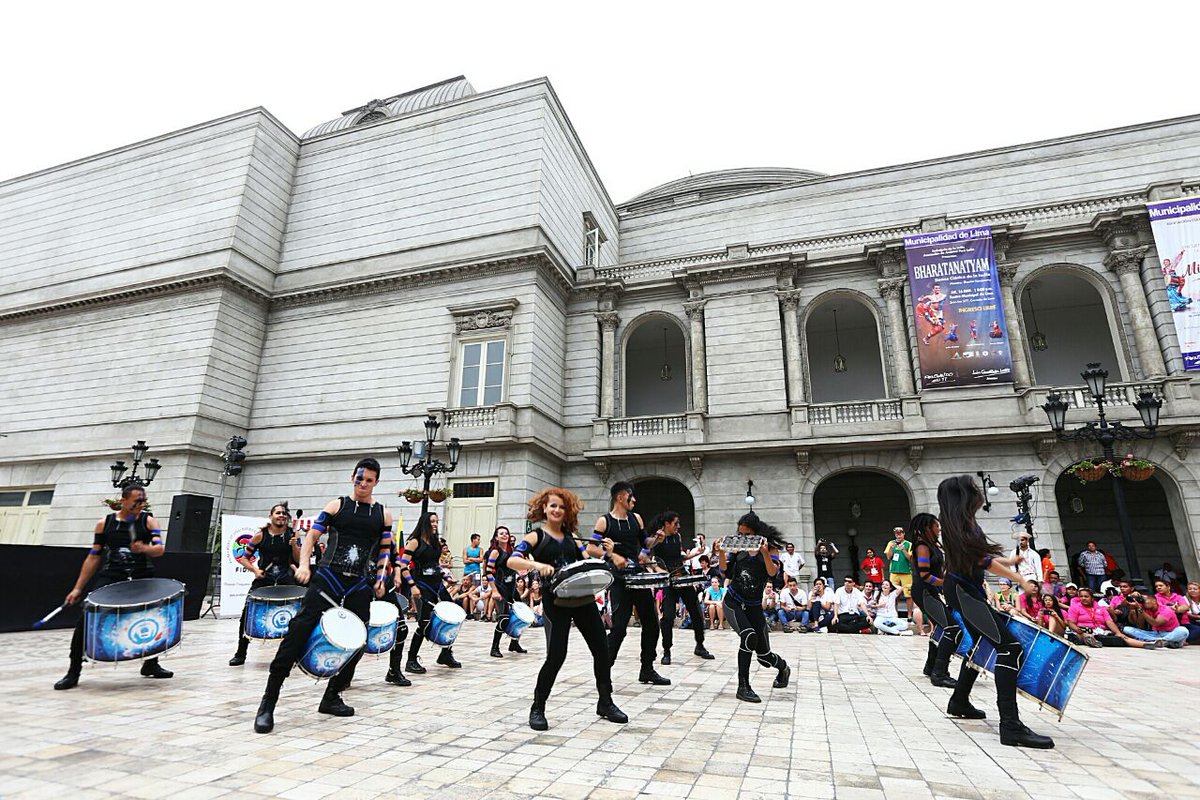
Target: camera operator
{"x": 1163, "y": 622}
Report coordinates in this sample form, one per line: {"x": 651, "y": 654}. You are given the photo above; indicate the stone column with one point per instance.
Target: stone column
{"x": 902, "y": 373}
{"x": 1127, "y": 264}
{"x": 695, "y": 314}
{"x": 608, "y": 361}
{"x": 790, "y": 298}
{"x": 1022, "y": 376}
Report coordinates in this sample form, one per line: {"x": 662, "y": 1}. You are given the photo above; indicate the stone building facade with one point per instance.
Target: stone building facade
{"x": 454, "y": 252}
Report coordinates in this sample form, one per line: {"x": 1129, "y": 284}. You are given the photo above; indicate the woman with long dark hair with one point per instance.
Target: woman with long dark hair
{"x": 504, "y": 581}
{"x": 924, "y": 530}
{"x": 749, "y": 573}
{"x": 969, "y": 553}
{"x": 422, "y": 552}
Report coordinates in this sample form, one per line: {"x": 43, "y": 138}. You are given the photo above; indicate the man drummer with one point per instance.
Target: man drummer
{"x": 358, "y": 529}
{"x": 624, "y": 527}
{"x": 276, "y": 564}
{"x": 127, "y": 539}
{"x": 666, "y": 544}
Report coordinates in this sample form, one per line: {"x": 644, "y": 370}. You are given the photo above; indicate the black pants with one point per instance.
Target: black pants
{"x": 430, "y": 596}
{"x": 354, "y": 595}
{"x": 1009, "y": 654}
{"x": 751, "y": 625}
{"x": 937, "y": 662}
{"x": 503, "y": 610}
{"x": 76, "y": 655}
{"x": 691, "y": 602}
{"x": 624, "y": 600}
{"x": 558, "y": 628}
{"x": 258, "y": 583}
{"x": 396, "y": 655}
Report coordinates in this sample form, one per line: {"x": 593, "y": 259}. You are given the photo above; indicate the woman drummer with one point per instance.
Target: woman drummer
{"x": 503, "y": 581}
{"x": 277, "y": 559}
{"x": 969, "y": 553}
{"x": 422, "y": 553}
{"x": 544, "y": 550}
{"x": 748, "y": 573}
{"x": 924, "y": 530}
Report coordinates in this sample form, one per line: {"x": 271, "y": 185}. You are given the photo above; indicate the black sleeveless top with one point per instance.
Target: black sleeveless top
{"x": 425, "y": 560}
{"x": 627, "y": 536}
{"x": 670, "y": 550}
{"x": 937, "y": 568}
{"x": 116, "y": 537}
{"x": 354, "y": 535}
{"x": 274, "y": 552}
{"x": 506, "y": 579}
{"x": 747, "y": 578}
{"x": 557, "y": 554}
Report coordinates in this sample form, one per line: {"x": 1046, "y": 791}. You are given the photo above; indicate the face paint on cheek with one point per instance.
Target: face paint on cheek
{"x": 360, "y": 476}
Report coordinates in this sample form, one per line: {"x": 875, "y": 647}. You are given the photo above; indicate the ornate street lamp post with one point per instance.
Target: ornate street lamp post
{"x": 119, "y": 469}
{"x": 1107, "y": 434}
{"x": 426, "y": 466}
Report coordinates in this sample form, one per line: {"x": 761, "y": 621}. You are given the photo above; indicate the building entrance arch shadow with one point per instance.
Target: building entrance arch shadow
{"x": 882, "y": 503}
{"x": 655, "y": 495}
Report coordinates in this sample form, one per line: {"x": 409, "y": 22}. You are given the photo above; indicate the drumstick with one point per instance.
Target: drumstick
{"x": 38, "y": 625}
{"x": 327, "y": 597}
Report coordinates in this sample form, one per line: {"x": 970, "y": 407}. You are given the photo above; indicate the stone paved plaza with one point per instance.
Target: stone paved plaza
{"x": 857, "y": 722}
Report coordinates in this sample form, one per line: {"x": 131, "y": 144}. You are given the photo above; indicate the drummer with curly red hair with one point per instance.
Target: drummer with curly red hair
{"x": 546, "y": 549}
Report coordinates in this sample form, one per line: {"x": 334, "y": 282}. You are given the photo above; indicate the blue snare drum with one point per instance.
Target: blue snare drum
{"x": 133, "y": 619}
{"x": 381, "y": 627}
{"x": 1050, "y": 668}
{"x": 336, "y": 639}
{"x": 964, "y": 644}
{"x": 269, "y": 610}
{"x": 444, "y": 624}
{"x": 519, "y": 618}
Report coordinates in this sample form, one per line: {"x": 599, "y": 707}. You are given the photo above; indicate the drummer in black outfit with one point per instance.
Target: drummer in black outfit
{"x": 667, "y": 546}
{"x": 500, "y": 575}
{"x": 275, "y": 547}
{"x": 358, "y": 528}
{"x": 625, "y": 528}
{"x": 748, "y": 574}
{"x": 545, "y": 549}
{"x": 969, "y": 553}
{"x": 127, "y": 539}
{"x": 924, "y": 531}
{"x": 422, "y": 553}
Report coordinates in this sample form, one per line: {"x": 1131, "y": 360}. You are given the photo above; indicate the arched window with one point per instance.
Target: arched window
{"x": 1066, "y": 325}
{"x": 655, "y": 376}
{"x": 841, "y": 338}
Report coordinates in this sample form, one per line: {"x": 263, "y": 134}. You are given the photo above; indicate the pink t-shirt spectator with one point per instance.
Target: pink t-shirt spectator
{"x": 1031, "y": 605}
{"x": 1094, "y": 618}
{"x": 1170, "y": 600}
{"x": 1169, "y": 619}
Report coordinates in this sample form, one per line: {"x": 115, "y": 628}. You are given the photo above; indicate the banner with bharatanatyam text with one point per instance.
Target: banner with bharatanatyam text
{"x": 1176, "y": 226}
{"x": 961, "y": 335}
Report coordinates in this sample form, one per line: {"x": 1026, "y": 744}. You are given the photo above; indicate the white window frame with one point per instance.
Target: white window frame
{"x": 22, "y": 510}
{"x": 593, "y": 238}
{"x": 483, "y": 340}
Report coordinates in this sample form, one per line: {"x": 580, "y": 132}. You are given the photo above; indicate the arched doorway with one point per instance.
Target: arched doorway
{"x": 856, "y": 510}
{"x": 655, "y": 376}
{"x": 1066, "y": 316}
{"x": 656, "y": 495}
{"x": 1088, "y": 512}
{"x": 841, "y": 338}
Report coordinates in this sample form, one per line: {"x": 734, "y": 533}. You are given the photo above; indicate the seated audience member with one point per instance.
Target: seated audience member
{"x": 714, "y": 604}
{"x": 535, "y": 603}
{"x": 710, "y": 570}
{"x": 1193, "y": 613}
{"x": 1029, "y": 604}
{"x": 1092, "y": 624}
{"x": 1051, "y": 615}
{"x": 886, "y": 618}
{"x": 1164, "y": 623}
{"x": 1054, "y": 585}
{"x": 770, "y": 603}
{"x": 466, "y": 594}
{"x": 849, "y": 608}
{"x": 1071, "y": 595}
{"x": 1110, "y": 583}
{"x": 1006, "y": 599}
{"x": 820, "y": 606}
{"x": 793, "y": 607}
{"x": 872, "y": 598}
{"x": 1169, "y": 599}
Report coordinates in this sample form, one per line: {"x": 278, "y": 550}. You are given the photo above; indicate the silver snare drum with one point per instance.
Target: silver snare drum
{"x": 645, "y": 580}
{"x": 689, "y": 581}
{"x": 578, "y": 584}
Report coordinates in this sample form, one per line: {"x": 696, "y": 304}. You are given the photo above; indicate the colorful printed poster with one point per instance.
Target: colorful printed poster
{"x": 961, "y": 335}
{"x": 236, "y": 532}
{"x": 1176, "y": 226}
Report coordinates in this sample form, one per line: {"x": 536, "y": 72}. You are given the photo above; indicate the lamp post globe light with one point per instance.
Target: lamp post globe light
{"x": 426, "y": 466}
{"x": 120, "y": 480}
{"x": 1106, "y": 434}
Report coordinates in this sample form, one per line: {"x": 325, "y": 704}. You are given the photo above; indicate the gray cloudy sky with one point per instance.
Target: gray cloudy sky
{"x": 655, "y": 90}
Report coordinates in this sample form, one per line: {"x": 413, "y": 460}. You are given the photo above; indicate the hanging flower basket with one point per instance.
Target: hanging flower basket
{"x": 1088, "y": 471}
{"x": 413, "y": 495}
{"x": 440, "y": 495}
{"x": 1133, "y": 469}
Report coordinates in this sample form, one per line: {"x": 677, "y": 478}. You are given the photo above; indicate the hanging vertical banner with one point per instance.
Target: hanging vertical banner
{"x": 1176, "y": 227}
{"x": 961, "y": 335}
{"x": 236, "y": 532}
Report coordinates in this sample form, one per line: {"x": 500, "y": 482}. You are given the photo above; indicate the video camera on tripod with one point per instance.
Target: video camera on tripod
{"x": 1023, "y": 483}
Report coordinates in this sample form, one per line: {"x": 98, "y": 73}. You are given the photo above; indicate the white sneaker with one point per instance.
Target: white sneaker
{"x": 906, "y": 633}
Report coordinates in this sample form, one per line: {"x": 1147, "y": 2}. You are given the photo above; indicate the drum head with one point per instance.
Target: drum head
{"x": 383, "y": 613}
{"x": 451, "y": 613}
{"x": 136, "y": 592}
{"x": 278, "y": 593}
{"x": 343, "y": 629}
{"x": 524, "y": 612}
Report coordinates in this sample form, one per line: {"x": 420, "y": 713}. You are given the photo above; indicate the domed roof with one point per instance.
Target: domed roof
{"x": 425, "y": 97}
{"x": 712, "y": 185}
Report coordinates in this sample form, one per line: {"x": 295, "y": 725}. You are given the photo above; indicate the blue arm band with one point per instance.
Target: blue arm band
{"x": 597, "y": 536}
{"x": 522, "y": 548}
{"x": 321, "y": 523}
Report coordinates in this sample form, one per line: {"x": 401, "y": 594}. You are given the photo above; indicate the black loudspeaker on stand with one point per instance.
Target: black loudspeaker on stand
{"x": 187, "y": 530}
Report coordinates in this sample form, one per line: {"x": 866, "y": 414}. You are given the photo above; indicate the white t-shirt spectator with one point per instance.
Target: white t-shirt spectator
{"x": 814, "y": 598}
{"x": 1030, "y": 565}
{"x": 849, "y": 602}
{"x": 885, "y": 607}
{"x": 788, "y": 600}
{"x": 792, "y": 563}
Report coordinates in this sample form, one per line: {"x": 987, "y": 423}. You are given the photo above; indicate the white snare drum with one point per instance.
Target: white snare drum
{"x": 578, "y": 584}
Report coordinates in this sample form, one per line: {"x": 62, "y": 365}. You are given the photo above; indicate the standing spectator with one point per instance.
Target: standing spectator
{"x": 850, "y": 608}
{"x": 1093, "y": 624}
{"x": 825, "y": 553}
{"x": 714, "y": 603}
{"x": 1047, "y": 563}
{"x": 872, "y": 567}
{"x": 792, "y": 562}
{"x": 886, "y": 618}
{"x": 1094, "y": 566}
{"x": 792, "y": 612}
{"x": 820, "y": 607}
{"x": 695, "y": 554}
{"x": 1168, "y": 599}
{"x": 899, "y": 556}
{"x": 1167, "y": 573}
{"x": 1164, "y": 624}
{"x": 473, "y": 559}
{"x": 1193, "y": 614}
{"x": 1029, "y": 563}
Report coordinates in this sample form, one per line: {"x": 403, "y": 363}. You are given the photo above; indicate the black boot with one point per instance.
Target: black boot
{"x": 332, "y": 704}
{"x": 943, "y": 679}
{"x": 648, "y": 675}
{"x": 1015, "y": 734}
{"x": 964, "y": 710}
{"x": 608, "y": 709}
{"x": 703, "y": 653}
{"x": 70, "y": 680}
{"x": 537, "y": 716}
{"x": 515, "y": 647}
{"x": 239, "y": 657}
{"x": 264, "y": 720}
{"x": 496, "y": 652}
{"x": 785, "y": 674}
{"x": 446, "y": 659}
{"x": 744, "y": 692}
{"x": 395, "y": 676}
{"x": 666, "y": 659}
{"x": 414, "y": 667}
{"x": 151, "y": 669}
